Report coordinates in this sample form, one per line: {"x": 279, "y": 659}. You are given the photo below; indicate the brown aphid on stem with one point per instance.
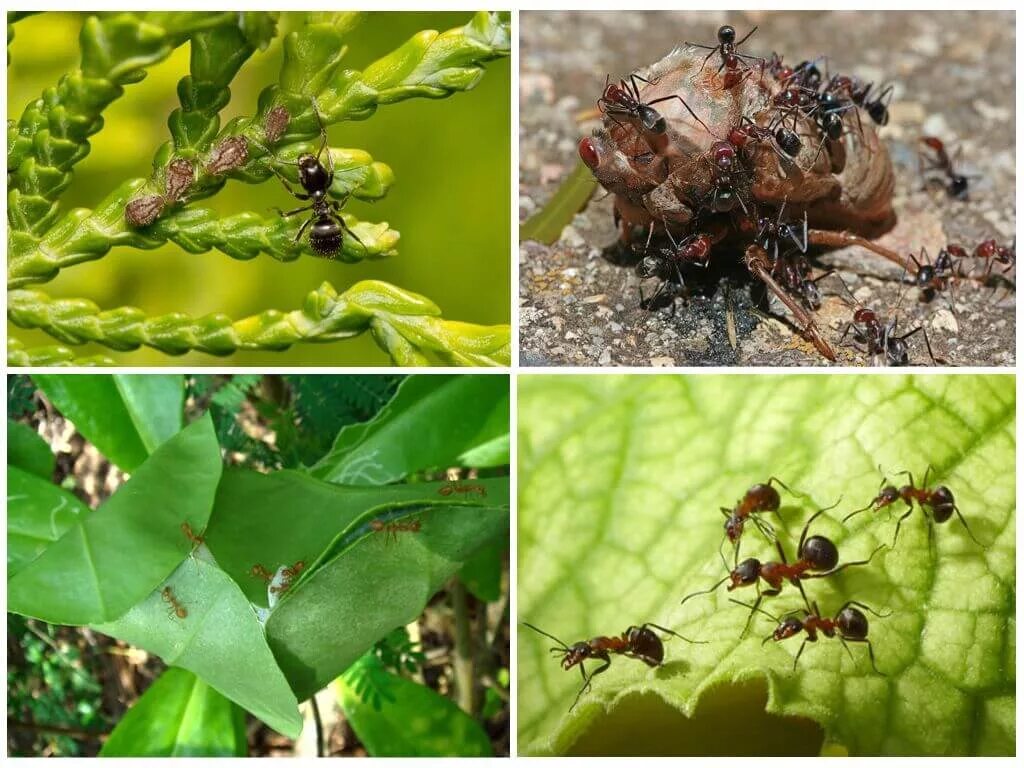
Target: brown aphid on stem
{"x": 143, "y": 211}
{"x": 180, "y": 175}
{"x": 232, "y": 152}
{"x": 276, "y": 123}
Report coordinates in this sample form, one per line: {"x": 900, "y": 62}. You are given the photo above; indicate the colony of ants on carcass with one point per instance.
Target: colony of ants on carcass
{"x": 817, "y": 557}
{"x": 756, "y": 156}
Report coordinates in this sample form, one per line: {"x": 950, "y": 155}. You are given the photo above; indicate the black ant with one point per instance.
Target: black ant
{"x": 328, "y": 227}
{"x": 624, "y": 99}
{"x": 938, "y": 500}
{"x": 771, "y": 233}
{"x": 849, "y": 624}
{"x": 817, "y": 558}
{"x": 936, "y": 276}
{"x": 792, "y": 270}
{"x": 786, "y": 142}
{"x": 666, "y": 264}
{"x": 635, "y": 643}
{"x": 957, "y": 183}
{"x": 878, "y": 107}
{"x": 878, "y": 336}
{"x": 726, "y": 47}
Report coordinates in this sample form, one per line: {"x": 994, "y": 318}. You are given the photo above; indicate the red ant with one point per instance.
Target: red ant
{"x": 174, "y": 607}
{"x": 785, "y": 143}
{"x": 817, "y": 558}
{"x": 635, "y": 643}
{"x": 761, "y": 497}
{"x": 938, "y": 500}
{"x": 288, "y": 575}
{"x": 393, "y": 528}
{"x": 849, "y": 624}
{"x": 624, "y": 99}
{"x": 726, "y": 47}
{"x": 666, "y": 264}
{"x": 936, "y": 276}
{"x": 993, "y": 254}
{"x": 878, "y": 336}
{"x": 196, "y": 539}
{"x": 259, "y": 572}
{"x": 455, "y": 487}
{"x": 957, "y": 186}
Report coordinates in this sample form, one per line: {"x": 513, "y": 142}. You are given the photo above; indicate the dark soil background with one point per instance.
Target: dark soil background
{"x": 954, "y": 78}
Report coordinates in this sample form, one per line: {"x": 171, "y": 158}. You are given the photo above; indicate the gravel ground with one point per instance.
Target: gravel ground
{"x": 954, "y": 78}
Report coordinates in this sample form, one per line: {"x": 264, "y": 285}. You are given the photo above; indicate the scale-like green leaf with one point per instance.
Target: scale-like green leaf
{"x": 108, "y": 561}
{"x": 220, "y": 640}
{"x": 374, "y": 582}
{"x": 428, "y": 424}
{"x": 38, "y": 514}
{"x": 621, "y": 480}
{"x": 126, "y": 416}
{"x": 179, "y": 716}
{"x": 28, "y": 451}
{"x": 411, "y": 721}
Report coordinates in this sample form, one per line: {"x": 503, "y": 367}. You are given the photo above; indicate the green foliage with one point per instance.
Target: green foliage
{"x": 398, "y": 653}
{"x": 201, "y": 155}
{"x": 179, "y": 716}
{"x": 395, "y": 717}
{"x": 21, "y": 394}
{"x": 28, "y": 451}
{"x": 621, "y": 480}
{"x": 129, "y": 570}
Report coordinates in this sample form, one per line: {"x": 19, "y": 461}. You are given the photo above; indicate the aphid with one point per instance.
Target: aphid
{"x": 639, "y": 643}
{"x": 328, "y": 227}
{"x": 624, "y": 100}
{"x": 957, "y": 184}
{"x": 232, "y": 152}
{"x": 393, "y": 528}
{"x": 275, "y": 124}
{"x": 849, "y": 624}
{"x": 174, "y": 608}
{"x": 196, "y": 539}
{"x": 463, "y": 488}
{"x": 259, "y": 572}
{"x": 939, "y": 501}
{"x": 731, "y": 60}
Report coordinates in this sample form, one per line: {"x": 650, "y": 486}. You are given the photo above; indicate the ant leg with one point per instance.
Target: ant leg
{"x": 588, "y": 679}
{"x": 286, "y": 214}
{"x": 683, "y": 101}
{"x": 847, "y": 647}
{"x": 756, "y": 265}
{"x": 298, "y": 236}
{"x": 741, "y": 42}
{"x": 668, "y": 631}
{"x": 899, "y": 522}
{"x": 871, "y": 652}
{"x": 348, "y": 229}
{"x": 798, "y": 654}
{"x": 844, "y": 566}
{"x": 750, "y": 616}
{"x": 803, "y": 534}
{"x": 845, "y": 239}
{"x": 721, "y": 554}
{"x": 966, "y": 527}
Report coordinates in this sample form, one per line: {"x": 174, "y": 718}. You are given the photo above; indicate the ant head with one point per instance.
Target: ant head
{"x": 763, "y": 497}
{"x": 723, "y": 155}
{"x": 886, "y": 496}
{"x": 865, "y": 316}
{"x": 726, "y": 34}
{"x": 852, "y": 623}
{"x": 820, "y": 552}
{"x": 734, "y": 527}
{"x": 307, "y": 162}
{"x": 958, "y": 186}
{"x": 643, "y": 642}
{"x": 745, "y": 574}
{"x": 578, "y": 652}
{"x": 650, "y": 266}
{"x": 616, "y": 94}
{"x": 588, "y": 152}
{"x": 788, "y": 627}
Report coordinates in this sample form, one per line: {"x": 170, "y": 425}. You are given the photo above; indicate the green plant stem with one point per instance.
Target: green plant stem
{"x": 463, "y": 664}
{"x": 319, "y": 726}
{"x": 50, "y": 356}
{"x": 402, "y": 322}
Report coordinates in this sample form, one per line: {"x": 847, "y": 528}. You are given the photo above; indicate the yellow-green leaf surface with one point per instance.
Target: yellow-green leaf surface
{"x": 621, "y": 481}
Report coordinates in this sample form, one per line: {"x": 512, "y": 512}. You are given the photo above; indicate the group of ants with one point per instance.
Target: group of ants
{"x": 805, "y": 93}
{"x": 817, "y": 558}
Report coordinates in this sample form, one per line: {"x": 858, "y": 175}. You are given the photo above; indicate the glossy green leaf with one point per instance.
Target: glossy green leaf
{"x": 369, "y": 582}
{"x": 411, "y": 721}
{"x": 113, "y": 558}
{"x": 179, "y": 716}
{"x": 38, "y": 514}
{"x": 428, "y": 424}
{"x": 220, "y": 640}
{"x": 621, "y": 480}
{"x": 547, "y": 224}
{"x": 28, "y": 451}
{"x": 482, "y": 573}
{"x": 126, "y": 416}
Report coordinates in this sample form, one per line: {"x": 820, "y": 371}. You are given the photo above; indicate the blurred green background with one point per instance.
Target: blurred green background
{"x": 450, "y": 200}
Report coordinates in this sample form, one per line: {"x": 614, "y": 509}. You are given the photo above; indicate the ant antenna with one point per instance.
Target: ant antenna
{"x": 705, "y": 591}
{"x": 542, "y": 632}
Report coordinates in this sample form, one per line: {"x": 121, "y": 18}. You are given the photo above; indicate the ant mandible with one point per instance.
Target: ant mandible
{"x": 639, "y": 643}
{"x": 849, "y": 624}
{"x": 938, "y": 500}
{"x": 328, "y": 227}
{"x": 726, "y": 47}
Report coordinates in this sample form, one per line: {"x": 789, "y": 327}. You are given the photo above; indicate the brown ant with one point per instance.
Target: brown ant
{"x": 174, "y": 607}
{"x": 849, "y": 624}
{"x": 993, "y": 254}
{"x": 392, "y": 529}
{"x": 878, "y": 336}
{"x": 938, "y": 500}
{"x": 957, "y": 183}
{"x": 196, "y": 539}
{"x": 759, "y": 498}
{"x": 456, "y": 487}
{"x": 726, "y": 48}
{"x": 288, "y": 575}
{"x": 259, "y": 572}
{"x": 639, "y": 643}
{"x": 936, "y": 276}
{"x": 817, "y": 558}
{"x": 624, "y": 99}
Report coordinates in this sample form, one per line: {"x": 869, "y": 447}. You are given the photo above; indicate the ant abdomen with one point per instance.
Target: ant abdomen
{"x": 852, "y": 623}
{"x": 821, "y": 553}
{"x": 646, "y": 646}
{"x": 764, "y": 498}
{"x": 325, "y": 236}
{"x": 943, "y": 504}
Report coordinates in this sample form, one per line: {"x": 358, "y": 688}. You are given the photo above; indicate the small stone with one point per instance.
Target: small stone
{"x": 597, "y": 298}
{"x": 663, "y": 362}
{"x": 944, "y": 320}
{"x": 231, "y": 153}
{"x": 142, "y": 211}
{"x": 606, "y": 357}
